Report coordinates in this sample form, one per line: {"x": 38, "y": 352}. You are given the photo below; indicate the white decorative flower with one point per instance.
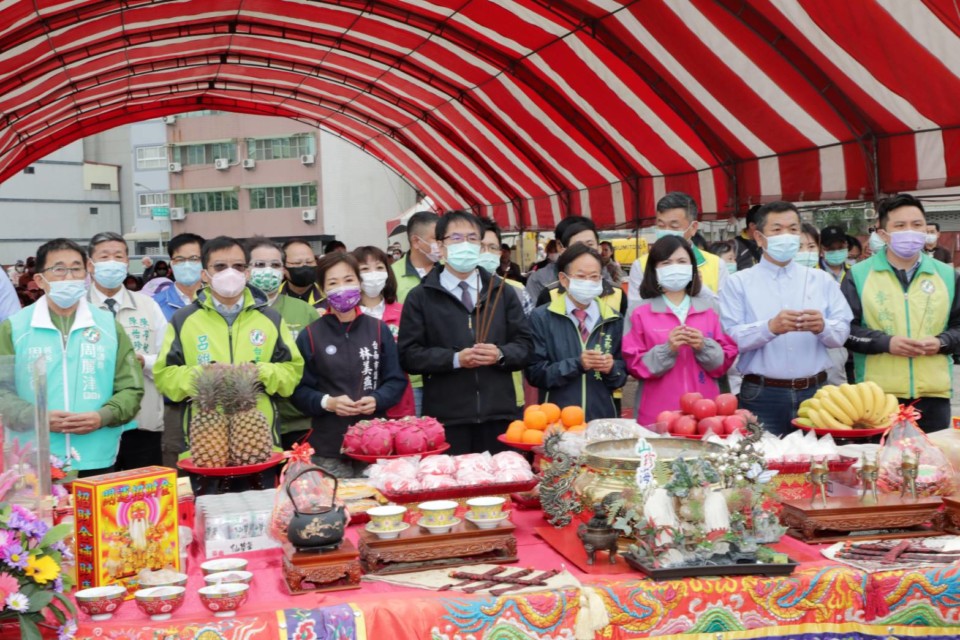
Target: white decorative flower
{"x": 18, "y": 602}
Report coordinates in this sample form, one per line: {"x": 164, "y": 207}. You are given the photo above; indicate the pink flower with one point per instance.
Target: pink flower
{"x": 8, "y": 585}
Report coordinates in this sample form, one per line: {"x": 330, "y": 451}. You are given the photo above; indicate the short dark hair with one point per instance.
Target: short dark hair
{"x": 106, "y": 236}
{"x": 419, "y": 220}
{"x": 334, "y": 245}
{"x": 183, "y": 239}
{"x": 566, "y": 223}
{"x": 58, "y": 244}
{"x": 289, "y": 243}
{"x": 778, "y": 206}
{"x": 661, "y": 250}
{"x": 679, "y": 200}
{"x": 453, "y": 216}
{"x": 551, "y": 246}
{"x": 573, "y": 230}
{"x": 853, "y": 241}
{"x": 505, "y": 247}
{"x": 219, "y": 244}
{"x": 935, "y": 225}
{"x": 607, "y": 243}
{"x": 262, "y": 241}
{"x": 362, "y": 254}
{"x": 572, "y": 253}
{"x": 811, "y": 231}
{"x": 885, "y": 206}
{"x": 752, "y": 215}
{"x": 331, "y": 260}
{"x": 721, "y": 247}
{"x": 486, "y": 224}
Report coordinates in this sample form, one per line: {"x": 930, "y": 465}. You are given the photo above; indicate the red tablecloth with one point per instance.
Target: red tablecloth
{"x": 820, "y": 597}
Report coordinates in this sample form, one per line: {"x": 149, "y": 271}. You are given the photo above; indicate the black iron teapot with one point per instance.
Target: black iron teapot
{"x": 320, "y": 529}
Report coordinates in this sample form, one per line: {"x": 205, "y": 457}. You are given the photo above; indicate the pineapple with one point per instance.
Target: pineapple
{"x": 209, "y": 428}
{"x": 251, "y": 438}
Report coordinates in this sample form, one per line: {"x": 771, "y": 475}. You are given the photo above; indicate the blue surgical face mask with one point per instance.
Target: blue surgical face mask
{"x": 662, "y": 233}
{"x": 583, "y": 291}
{"x": 489, "y": 262}
{"x": 835, "y": 258}
{"x": 463, "y": 257}
{"x": 807, "y": 258}
{"x": 674, "y": 277}
{"x": 731, "y": 267}
{"x": 66, "y": 293}
{"x": 188, "y": 273}
{"x": 876, "y": 243}
{"x": 783, "y": 247}
{"x": 109, "y": 274}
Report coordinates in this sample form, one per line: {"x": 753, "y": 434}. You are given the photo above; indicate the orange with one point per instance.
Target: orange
{"x": 532, "y": 436}
{"x": 533, "y": 407}
{"x": 515, "y": 431}
{"x": 577, "y": 428}
{"x": 535, "y": 420}
{"x": 552, "y": 411}
{"x": 572, "y": 416}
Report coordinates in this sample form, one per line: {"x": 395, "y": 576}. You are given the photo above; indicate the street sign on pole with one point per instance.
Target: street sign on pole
{"x": 160, "y": 212}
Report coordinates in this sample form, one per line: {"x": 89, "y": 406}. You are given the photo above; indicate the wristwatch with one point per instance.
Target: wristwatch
{"x": 500, "y": 359}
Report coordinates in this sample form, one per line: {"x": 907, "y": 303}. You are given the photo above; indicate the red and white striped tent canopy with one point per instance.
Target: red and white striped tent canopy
{"x": 526, "y": 110}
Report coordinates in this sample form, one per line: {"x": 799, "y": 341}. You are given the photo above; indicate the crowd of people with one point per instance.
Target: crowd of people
{"x": 453, "y": 329}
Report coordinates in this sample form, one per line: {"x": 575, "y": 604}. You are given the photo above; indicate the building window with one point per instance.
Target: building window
{"x": 152, "y": 157}
{"x": 277, "y": 148}
{"x": 147, "y": 201}
{"x": 29, "y": 170}
{"x": 100, "y": 185}
{"x": 94, "y": 211}
{"x": 304, "y": 195}
{"x": 204, "y": 153}
{"x": 206, "y": 201}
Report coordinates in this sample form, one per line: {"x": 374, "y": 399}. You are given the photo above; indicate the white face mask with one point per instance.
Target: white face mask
{"x": 583, "y": 291}
{"x": 373, "y": 282}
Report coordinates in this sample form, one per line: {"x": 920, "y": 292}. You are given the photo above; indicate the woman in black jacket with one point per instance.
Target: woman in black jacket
{"x": 352, "y": 368}
{"x": 576, "y": 339}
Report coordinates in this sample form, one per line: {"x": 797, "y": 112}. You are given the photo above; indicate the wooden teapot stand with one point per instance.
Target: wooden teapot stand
{"x": 847, "y": 518}
{"x": 310, "y": 571}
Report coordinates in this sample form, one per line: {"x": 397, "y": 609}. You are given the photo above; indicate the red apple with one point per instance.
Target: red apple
{"x": 704, "y": 409}
{"x": 687, "y": 400}
{"x": 726, "y": 404}
{"x": 685, "y": 426}
{"x": 732, "y": 424}
{"x": 667, "y": 418}
{"x": 714, "y": 424}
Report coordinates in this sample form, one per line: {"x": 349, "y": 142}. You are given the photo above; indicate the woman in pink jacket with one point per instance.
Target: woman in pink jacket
{"x": 378, "y": 289}
{"x": 675, "y": 343}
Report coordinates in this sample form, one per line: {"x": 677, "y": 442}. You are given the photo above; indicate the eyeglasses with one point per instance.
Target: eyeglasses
{"x": 217, "y": 267}
{"x": 61, "y": 272}
{"x": 490, "y": 248}
{"x": 263, "y": 264}
{"x": 183, "y": 259}
{"x": 457, "y": 238}
{"x": 302, "y": 263}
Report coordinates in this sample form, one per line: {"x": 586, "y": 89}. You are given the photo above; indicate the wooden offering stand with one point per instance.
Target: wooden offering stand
{"x": 417, "y": 549}
{"x": 951, "y": 514}
{"x": 334, "y": 570}
{"x": 844, "y": 517}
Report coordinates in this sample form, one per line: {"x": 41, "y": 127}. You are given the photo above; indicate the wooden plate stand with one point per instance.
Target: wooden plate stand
{"x": 337, "y": 570}
{"x": 845, "y": 518}
{"x": 417, "y": 549}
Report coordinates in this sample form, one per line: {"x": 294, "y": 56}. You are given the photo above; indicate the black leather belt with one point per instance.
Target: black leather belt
{"x": 797, "y": 384}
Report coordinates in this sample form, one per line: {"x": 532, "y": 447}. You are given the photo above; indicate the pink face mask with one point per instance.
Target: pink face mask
{"x": 228, "y": 283}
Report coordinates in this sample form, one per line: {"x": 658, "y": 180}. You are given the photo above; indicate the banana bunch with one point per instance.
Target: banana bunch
{"x": 848, "y": 406}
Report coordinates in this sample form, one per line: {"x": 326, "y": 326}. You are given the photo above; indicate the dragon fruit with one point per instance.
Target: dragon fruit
{"x": 434, "y": 432}
{"x": 353, "y": 438}
{"x": 376, "y": 441}
{"x": 410, "y": 440}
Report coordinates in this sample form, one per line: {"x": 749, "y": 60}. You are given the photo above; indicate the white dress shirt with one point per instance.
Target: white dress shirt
{"x": 593, "y": 314}
{"x": 451, "y": 283}
{"x": 751, "y": 298}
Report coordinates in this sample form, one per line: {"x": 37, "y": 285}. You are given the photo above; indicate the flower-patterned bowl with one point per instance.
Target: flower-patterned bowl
{"x": 160, "y": 602}
{"x": 228, "y": 577}
{"x": 100, "y": 603}
{"x": 223, "y": 564}
{"x": 224, "y": 599}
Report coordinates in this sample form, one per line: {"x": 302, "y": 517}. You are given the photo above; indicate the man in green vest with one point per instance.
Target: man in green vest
{"x": 266, "y": 274}
{"x": 94, "y": 380}
{"x": 300, "y": 269}
{"x": 423, "y": 255}
{"x": 906, "y": 317}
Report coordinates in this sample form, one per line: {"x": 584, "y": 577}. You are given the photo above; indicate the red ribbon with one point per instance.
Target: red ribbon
{"x": 907, "y": 413}
{"x": 301, "y": 452}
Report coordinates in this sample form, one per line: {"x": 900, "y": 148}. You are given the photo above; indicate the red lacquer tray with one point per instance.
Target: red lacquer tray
{"x": 842, "y": 433}
{"x": 223, "y": 472}
{"x": 373, "y": 459}
{"x": 453, "y": 493}
{"x": 522, "y": 446}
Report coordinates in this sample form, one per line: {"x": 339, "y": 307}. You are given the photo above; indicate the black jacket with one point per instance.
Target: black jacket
{"x": 748, "y": 252}
{"x": 556, "y": 370}
{"x": 435, "y": 325}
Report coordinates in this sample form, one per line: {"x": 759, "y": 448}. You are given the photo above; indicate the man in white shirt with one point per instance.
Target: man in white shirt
{"x": 144, "y": 323}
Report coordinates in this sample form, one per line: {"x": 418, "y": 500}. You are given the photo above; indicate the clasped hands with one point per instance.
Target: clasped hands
{"x": 911, "y": 347}
{"x": 343, "y": 406}
{"x": 479, "y": 355}
{"x": 788, "y": 320}
{"x": 72, "y": 423}
{"x": 685, "y": 335}
{"x": 594, "y": 360}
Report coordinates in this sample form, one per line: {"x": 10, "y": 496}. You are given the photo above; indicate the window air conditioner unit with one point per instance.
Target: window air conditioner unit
{"x": 307, "y": 158}
{"x": 309, "y": 215}
{"x": 222, "y": 164}
{"x": 177, "y": 213}
{"x": 169, "y": 119}
{"x": 249, "y": 163}
{"x": 174, "y": 167}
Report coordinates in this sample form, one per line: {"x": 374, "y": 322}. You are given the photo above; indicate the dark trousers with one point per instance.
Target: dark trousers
{"x": 934, "y": 412}
{"x": 86, "y": 473}
{"x": 139, "y": 449}
{"x": 476, "y": 438}
{"x": 173, "y": 441}
{"x": 774, "y": 407}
